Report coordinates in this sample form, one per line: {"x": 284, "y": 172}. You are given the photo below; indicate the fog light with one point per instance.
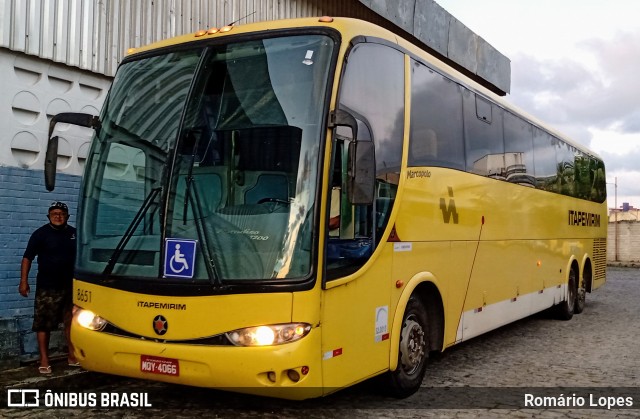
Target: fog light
{"x": 271, "y": 376}
{"x": 293, "y": 375}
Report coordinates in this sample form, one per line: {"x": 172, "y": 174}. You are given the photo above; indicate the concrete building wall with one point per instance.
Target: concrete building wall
{"x": 628, "y": 238}
{"x": 33, "y": 90}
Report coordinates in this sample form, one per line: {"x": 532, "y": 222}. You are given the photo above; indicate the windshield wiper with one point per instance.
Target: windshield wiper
{"x": 130, "y": 230}
{"x": 192, "y": 195}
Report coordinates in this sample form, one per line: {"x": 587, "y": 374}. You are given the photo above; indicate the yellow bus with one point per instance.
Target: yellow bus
{"x": 288, "y": 208}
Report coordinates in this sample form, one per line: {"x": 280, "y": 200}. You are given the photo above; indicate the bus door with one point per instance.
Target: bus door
{"x": 356, "y": 312}
{"x": 355, "y": 309}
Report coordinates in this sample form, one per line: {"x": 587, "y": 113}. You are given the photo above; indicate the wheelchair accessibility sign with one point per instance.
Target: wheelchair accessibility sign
{"x": 179, "y": 258}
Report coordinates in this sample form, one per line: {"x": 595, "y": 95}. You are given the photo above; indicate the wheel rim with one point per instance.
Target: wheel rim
{"x": 412, "y": 345}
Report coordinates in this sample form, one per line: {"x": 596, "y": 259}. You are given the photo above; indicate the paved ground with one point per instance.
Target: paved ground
{"x": 592, "y": 359}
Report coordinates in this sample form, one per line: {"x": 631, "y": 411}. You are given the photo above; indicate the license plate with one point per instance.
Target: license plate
{"x": 158, "y": 365}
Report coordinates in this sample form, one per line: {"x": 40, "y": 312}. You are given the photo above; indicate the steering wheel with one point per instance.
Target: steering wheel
{"x": 276, "y": 200}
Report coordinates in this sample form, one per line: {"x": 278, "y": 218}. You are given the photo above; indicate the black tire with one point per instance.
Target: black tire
{"x": 581, "y": 300}
{"x": 565, "y": 310}
{"x": 413, "y": 352}
{"x": 581, "y": 297}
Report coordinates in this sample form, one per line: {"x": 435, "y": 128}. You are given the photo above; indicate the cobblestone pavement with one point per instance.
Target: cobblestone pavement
{"x": 591, "y": 358}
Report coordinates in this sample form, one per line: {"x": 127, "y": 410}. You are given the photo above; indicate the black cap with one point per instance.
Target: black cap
{"x": 59, "y": 205}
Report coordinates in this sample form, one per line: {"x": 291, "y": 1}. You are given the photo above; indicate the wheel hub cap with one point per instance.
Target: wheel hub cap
{"x": 412, "y": 346}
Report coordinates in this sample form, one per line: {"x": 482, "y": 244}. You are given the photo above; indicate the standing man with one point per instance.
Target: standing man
{"x": 55, "y": 246}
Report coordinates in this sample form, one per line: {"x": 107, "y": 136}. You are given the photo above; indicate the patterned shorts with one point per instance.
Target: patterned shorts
{"x": 49, "y": 309}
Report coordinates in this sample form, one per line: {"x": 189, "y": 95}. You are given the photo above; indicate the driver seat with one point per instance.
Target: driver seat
{"x": 268, "y": 186}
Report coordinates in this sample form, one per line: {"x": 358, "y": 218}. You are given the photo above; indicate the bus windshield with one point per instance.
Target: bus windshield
{"x": 213, "y": 148}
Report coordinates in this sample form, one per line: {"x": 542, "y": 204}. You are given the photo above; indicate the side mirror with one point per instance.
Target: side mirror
{"x": 361, "y": 172}
{"x": 361, "y": 158}
{"x": 51, "y": 156}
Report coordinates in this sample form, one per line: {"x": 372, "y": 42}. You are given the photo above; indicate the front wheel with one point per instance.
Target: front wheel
{"x": 413, "y": 351}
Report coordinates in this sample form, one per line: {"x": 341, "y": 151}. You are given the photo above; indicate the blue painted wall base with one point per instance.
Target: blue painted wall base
{"x": 24, "y": 202}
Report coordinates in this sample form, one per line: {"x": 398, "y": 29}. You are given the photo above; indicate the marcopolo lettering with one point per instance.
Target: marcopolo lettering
{"x": 584, "y": 219}
{"x": 418, "y": 173}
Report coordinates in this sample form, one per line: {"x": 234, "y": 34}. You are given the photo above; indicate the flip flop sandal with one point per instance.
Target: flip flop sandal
{"x": 44, "y": 370}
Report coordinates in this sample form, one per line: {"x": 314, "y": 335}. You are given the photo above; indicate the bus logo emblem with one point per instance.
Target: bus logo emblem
{"x": 160, "y": 325}
{"x": 179, "y": 258}
{"x": 449, "y": 210}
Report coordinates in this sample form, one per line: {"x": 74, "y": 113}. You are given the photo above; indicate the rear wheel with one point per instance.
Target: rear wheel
{"x": 582, "y": 291}
{"x": 565, "y": 310}
{"x": 581, "y": 297}
{"x": 413, "y": 351}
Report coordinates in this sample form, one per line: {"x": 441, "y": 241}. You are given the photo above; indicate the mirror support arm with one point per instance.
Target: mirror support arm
{"x": 51, "y": 157}
{"x": 343, "y": 118}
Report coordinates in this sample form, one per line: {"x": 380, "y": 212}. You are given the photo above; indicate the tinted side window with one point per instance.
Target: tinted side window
{"x": 483, "y": 136}
{"x": 373, "y": 87}
{"x": 544, "y": 152}
{"x": 582, "y": 175}
{"x": 497, "y": 143}
{"x": 436, "y": 120}
{"x": 565, "y": 161}
{"x": 518, "y": 156}
{"x": 598, "y": 181}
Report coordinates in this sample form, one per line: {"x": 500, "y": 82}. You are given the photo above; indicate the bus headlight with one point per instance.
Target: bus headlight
{"x": 275, "y": 334}
{"x": 90, "y": 320}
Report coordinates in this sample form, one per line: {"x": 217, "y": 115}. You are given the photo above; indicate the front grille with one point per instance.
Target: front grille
{"x": 217, "y": 340}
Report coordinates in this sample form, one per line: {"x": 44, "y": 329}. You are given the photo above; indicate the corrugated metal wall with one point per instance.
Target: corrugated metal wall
{"x": 94, "y": 34}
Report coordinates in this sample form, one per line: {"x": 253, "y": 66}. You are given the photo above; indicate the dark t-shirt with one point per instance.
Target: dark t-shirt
{"x": 56, "y": 252}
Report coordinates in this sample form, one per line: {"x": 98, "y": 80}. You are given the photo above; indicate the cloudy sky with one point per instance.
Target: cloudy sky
{"x": 576, "y": 65}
